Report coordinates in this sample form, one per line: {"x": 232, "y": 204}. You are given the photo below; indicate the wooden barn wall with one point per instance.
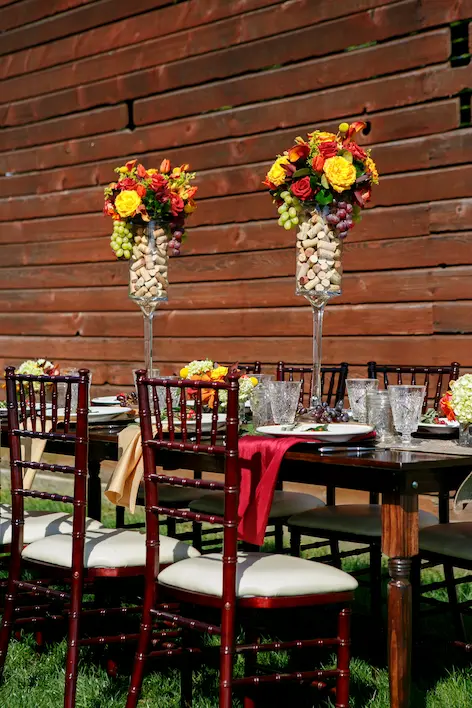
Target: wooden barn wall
{"x": 225, "y": 85}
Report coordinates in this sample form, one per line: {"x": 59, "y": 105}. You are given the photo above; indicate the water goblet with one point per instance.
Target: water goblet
{"x": 357, "y": 390}
{"x": 406, "y": 401}
{"x": 284, "y": 399}
{"x": 379, "y": 414}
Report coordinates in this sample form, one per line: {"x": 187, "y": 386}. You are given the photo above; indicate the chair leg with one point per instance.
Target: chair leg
{"x": 279, "y": 537}
{"x": 457, "y": 618}
{"x": 72, "y": 658}
{"x": 171, "y": 525}
{"x": 376, "y": 581}
{"x": 252, "y": 636}
{"x": 144, "y": 642}
{"x": 344, "y": 655}
{"x": 186, "y": 677}
{"x": 8, "y": 619}
{"x": 120, "y": 517}
{"x": 295, "y": 542}
{"x": 336, "y": 558}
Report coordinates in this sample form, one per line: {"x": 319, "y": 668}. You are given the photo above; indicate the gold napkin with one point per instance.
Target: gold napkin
{"x": 32, "y": 451}
{"x": 122, "y": 489}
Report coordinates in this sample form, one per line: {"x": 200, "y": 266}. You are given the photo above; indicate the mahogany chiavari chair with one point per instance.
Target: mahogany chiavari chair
{"x": 230, "y": 582}
{"x": 361, "y": 523}
{"x": 81, "y": 557}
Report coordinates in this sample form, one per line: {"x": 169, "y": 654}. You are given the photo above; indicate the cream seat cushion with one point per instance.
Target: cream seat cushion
{"x": 107, "y": 548}
{"x": 283, "y": 504}
{"x": 258, "y": 575}
{"x": 39, "y": 524}
{"x": 364, "y": 519}
{"x": 454, "y": 539}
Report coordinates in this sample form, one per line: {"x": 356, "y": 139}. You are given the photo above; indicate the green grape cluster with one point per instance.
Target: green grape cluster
{"x": 289, "y": 211}
{"x": 121, "y": 239}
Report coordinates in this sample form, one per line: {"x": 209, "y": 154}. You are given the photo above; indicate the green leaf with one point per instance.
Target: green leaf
{"x": 347, "y": 156}
{"x": 356, "y": 213}
{"x": 360, "y": 169}
{"x": 324, "y": 182}
{"x": 324, "y": 197}
{"x": 301, "y": 172}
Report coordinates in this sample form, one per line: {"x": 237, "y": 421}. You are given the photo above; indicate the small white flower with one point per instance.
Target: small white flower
{"x": 461, "y": 400}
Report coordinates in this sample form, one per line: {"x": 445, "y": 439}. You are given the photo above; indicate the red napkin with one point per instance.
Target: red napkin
{"x": 260, "y": 459}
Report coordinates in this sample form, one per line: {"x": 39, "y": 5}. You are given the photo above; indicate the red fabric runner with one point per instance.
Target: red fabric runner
{"x": 260, "y": 459}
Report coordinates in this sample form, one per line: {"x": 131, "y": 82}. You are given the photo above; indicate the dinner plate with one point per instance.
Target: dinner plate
{"x": 99, "y": 414}
{"x": 336, "y": 432}
{"x": 106, "y": 401}
{"x": 206, "y": 422}
{"x": 438, "y": 429}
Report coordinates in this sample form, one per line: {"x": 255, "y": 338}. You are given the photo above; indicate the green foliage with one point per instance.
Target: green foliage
{"x": 324, "y": 197}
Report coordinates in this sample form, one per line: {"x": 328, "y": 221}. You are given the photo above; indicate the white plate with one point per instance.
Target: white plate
{"x": 99, "y": 414}
{"x": 106, "y": 401}
{"x": 440, "y": 426}
{"x": 206, "y": 422}
{"x": 336, "y": 432}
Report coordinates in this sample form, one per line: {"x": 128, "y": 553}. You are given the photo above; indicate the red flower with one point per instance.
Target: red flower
{"x": 130, "y": 165}
{"x": 362, "y": 196}
{"x": 141, "y": 171}
{"x": 354, "y": 128}
{"x": 302, "y": 188}
{"x": 318, "y": 163}
{"x": 328, "y": 149}
{"x": 160, "y": 187}
{"x": 141, "y": 190}
{"x": 176, "y": 204}
{"x": 301, "y": 150}
{"x": 357, "y": 152}
{"x": 127, "y": 183}
{"x": 446, "y": 407}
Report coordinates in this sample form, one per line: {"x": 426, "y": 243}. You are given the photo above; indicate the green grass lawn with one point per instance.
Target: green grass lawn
{"x": 442, "y": 676}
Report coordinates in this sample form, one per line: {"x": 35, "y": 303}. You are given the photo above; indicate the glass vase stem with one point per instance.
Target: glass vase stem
{"x": 148, "y": 319}
{"x": 316, "y": 392}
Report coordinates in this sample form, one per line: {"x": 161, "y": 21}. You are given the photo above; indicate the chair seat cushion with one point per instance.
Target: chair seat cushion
{"x": 454, "y": 539}
{"x": 258, "y": 575}
{"x": 169, "y": 494}
{"x": 362, "y": 519}
{"x": 107, "y": 548}
{"x": 39, "y": 524}
{"x": 283, "y": 504}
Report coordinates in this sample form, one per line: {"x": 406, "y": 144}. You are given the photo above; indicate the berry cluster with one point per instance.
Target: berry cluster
{"x": 322, "y": 413}
{"x": 121, "y": 240}
{"x": 175, "y": 243}
{"x": 340, "y": 217}
{"x": 289, "y": 211}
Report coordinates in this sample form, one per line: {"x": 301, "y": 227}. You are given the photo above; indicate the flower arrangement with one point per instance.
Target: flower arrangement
{"x": 326, "y": 169}
{"x": 208, "y": 370}
{"x": 141, "y": 195}
{"x": 461, "y": 399}
{"x": 445, "y": 406}
{"x": 38, "y": 367}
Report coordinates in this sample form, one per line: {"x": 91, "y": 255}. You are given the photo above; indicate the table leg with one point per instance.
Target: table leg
{"x": 400, "y": 543}
{"x": 94, "y": 491}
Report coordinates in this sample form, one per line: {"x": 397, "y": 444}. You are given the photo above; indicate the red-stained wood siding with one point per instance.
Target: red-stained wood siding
{"x": 86, "y": 84}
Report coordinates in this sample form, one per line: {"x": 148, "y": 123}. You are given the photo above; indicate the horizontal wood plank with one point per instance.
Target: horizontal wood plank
{"x": 368, "y": 319}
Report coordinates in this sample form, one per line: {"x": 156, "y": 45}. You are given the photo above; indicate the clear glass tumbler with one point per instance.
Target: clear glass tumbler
{"x": 284, "y": 399}
{"x": 260, "y": 405}
{"x": 379, "y": 414}
{"x": 406, "y": 402}
{"x": 357, "y": 390}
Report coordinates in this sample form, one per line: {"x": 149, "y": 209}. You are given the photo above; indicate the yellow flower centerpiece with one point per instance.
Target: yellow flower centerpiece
{"x": 320, "y": 186}
{"x": 208, "y": 370}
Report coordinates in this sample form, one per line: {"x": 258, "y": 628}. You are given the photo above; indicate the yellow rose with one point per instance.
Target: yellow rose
{"x": 372, "y": 168}
{"x": 219, "y": 373}
{"x": 340, "y": 173}
{"x": 277, "y": 174}
{"x": 127, "y": 202}
{"x": 184, "y": 372}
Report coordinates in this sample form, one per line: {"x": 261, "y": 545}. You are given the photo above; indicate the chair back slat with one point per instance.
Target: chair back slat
{"x": 419, "y": 375}
{"x": 255, "y": 368}
{"x": 333, "y": 380}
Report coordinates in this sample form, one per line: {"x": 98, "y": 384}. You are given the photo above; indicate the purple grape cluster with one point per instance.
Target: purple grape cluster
{"x": 175, "y": 243}
{"x": 323, "y": 413}
{"x": 340, "y": 217}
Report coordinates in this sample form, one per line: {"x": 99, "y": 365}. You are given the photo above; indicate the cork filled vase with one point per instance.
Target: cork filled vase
{"x": 148, "y": 277}
{"x": 318, "y": 278}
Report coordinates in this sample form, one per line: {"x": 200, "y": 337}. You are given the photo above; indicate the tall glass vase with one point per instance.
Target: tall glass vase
{"x": 318, "y": 279}
{"x": 148, "y": 278}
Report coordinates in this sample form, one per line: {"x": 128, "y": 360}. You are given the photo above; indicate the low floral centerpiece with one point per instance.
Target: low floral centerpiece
{"x": 456, "y": 404}
{"x": 208, "y": 370}
{"x": 320, "y": 186}
{"x": 149, "y": 208}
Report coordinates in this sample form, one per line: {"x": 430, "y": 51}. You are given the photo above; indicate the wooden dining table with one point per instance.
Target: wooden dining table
{"x": 398, "y": 476}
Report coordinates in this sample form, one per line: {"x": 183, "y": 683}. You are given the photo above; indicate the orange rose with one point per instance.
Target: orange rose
{"x": 141, "y": 190}
{"x": 318, "y": 163}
